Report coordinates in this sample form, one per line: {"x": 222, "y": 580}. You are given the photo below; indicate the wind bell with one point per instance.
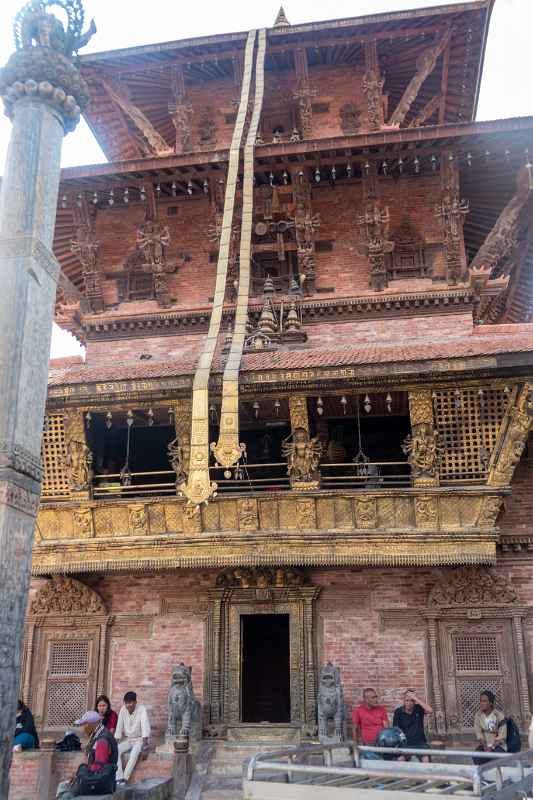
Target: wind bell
{"x": 344, "y": 403}
{"x": 388, "y": 401}
{"x": 109, "y": 420}
{"x": 319, "y": 406}
{"x": 150, "y": 417}
{"x": 367, "y": 404}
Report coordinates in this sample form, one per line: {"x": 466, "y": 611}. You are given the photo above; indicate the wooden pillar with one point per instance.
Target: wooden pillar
{"x": 422, "y": 446}
{"x": 298, "y": 412}
{"x": 78, "y": 458}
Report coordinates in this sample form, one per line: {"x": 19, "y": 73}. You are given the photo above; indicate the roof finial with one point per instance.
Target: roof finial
{"x": 281, "y": 19}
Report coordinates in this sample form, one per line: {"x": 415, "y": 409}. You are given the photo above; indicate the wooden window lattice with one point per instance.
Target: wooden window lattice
{"x": 468, "y": 692}
{"x": 67, "y": 694}
{"x": 55, "y": 478}
{"x": 468, "y": 424}
{"x": 477, "y": 654}
{"x": 69, "y": 658}
{"x": 65, "y": 702}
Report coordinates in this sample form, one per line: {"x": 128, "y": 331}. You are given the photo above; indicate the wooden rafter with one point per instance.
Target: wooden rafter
{"x": 444, "y": 83}
{"x": 119, "y": 95}
{"x": 427, "y": 112}
{"x": 425, "y": 64}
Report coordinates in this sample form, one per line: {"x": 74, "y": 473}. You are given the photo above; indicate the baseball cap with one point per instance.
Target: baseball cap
{"x": 89, "y": 718}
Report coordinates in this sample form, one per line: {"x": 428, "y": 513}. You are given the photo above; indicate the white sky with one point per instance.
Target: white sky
{"x": 506, "y": 89}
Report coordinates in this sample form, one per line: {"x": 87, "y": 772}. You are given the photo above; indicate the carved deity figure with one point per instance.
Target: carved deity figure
{"x": 303, "y": 456}
{"x": 330, "y": 703}
{"x": 78, "y": 461}
{"x": 179, "y": 452}
{"x": 152, "y": 240}
{"x": 34, "y": 26}
{"x": 422, "y": 451}
{"x": 184, "y": 711}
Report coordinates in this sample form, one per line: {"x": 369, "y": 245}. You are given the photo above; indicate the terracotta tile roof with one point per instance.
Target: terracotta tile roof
{"x": 491, "y": 340}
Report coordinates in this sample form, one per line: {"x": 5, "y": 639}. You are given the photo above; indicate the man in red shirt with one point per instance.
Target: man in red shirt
{"x": 368, "y": 719}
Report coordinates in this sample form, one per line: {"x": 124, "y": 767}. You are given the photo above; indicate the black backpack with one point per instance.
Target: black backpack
{"x": 104, "y": 780}
{"x": 70, "y": 743}
{"x": 513, "y": 740}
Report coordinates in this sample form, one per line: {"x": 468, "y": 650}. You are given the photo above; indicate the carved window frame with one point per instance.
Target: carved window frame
{"x": 503, "y": 622}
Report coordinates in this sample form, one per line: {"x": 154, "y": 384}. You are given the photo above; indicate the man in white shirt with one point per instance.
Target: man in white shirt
{"x": 134, "y": 726}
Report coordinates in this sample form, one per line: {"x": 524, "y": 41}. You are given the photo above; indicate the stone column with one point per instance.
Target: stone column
{"x": 43, "y": 94}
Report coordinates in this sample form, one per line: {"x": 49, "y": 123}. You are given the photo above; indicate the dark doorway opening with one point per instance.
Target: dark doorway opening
{"x": 265, "y": 673}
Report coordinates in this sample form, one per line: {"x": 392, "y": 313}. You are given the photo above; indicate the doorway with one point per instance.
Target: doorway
{"x": 265, "y": 668}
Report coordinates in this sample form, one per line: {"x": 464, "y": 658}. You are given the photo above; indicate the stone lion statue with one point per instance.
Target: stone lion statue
{"x": 330, "y": 703}
{"x": 184, "y": 712}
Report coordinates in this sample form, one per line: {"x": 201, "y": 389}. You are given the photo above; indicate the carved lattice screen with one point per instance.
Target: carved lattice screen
{"x": 67, "y": 692}
{"x": 478, "y": 667}
{"x": 55, "y": 479}
{"x": 468, "y": 424}
{"x": 477, "y": 654}
{"x": 468, "y": 691}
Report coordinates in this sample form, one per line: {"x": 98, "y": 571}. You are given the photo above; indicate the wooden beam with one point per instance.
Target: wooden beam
{"x": 427, "y": 112}
{"x": 425, "y": 64}
{"x": 119, "y": 95}
{"x": 444, "y": 83}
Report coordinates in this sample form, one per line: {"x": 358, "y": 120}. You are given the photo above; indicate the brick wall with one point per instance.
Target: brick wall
{"x": 23, "y": 776}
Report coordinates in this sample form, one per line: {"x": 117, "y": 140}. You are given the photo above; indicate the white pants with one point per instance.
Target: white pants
{"x": 135, "y": 745}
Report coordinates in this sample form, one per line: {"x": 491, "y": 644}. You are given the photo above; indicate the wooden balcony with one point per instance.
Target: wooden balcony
{"x": 385, "y": 526}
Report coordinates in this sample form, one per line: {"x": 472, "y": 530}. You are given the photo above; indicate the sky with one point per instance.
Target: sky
{"x": 506, "y": 89}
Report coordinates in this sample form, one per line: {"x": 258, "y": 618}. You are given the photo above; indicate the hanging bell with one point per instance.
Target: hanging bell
{"x": 129, "y": 419}
{"x": 256, "y": 408}
{"x": 434, "y": 162}
{"x": 319, "y": 406}
{"x": 158, "y": 189}
{"x": 317, "y": 175}
{"x": 213, "y": 413}
{"x": 142, "y": 193}
{"x": 344, "y": 403}
{"x": 469, "y": 159}
{"x": 95, "y": 198}
{"x": 388, "y": 401}
{"x": 126, "y": 196}
{"x": 64, "y": 201}
{"x": 416, "y": 164}
{"x": 189, "y": 187}
{"x": 173, "y": 188}
{"x": 333, "y": 173}
{"x": 285, "y": 177}
{"x": 111, "y": 198}
{"x": 79, "y": 198}
{"x": 109, "y": 419}
{"x": 271, "y": 178}
{"x": 88, "y": 418}
{"x": 205, "y": 186}
{"x": 367, "y": 404}
{"x": 400, "y": 164}
{"x": 457, "y": 401}
{"x": 277, "y": 406}
{"x": 150, "y": 417}
{"x": 385, "y": 168}
{"x": 348, "y": 170}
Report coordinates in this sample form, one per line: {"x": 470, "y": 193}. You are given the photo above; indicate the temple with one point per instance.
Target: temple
{"x": 304, "y": 282}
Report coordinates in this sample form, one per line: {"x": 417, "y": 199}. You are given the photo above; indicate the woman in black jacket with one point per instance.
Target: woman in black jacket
{"x": 25, "y": 734}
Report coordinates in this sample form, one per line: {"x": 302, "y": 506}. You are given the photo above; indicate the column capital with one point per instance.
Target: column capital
{"x": 42, "y": 67}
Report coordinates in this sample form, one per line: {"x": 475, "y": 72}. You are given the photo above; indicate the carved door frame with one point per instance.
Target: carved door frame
{"x": 223, "y": 656}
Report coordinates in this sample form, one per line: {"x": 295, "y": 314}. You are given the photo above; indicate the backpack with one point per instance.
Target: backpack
{"x": 69, "y": 743}
{"x": 513, "y": 740}
{"x": 104, "y": 780}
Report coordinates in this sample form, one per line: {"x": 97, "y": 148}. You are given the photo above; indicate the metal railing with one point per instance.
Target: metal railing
{"x": 253, "y": 478}
{"x": 503, "y": 776}
{"x": 140, "y": 484}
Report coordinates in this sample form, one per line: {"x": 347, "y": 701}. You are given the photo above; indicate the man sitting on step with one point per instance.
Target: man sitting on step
{"x": 97, "y": 774}
{"x": 134, "y": 726}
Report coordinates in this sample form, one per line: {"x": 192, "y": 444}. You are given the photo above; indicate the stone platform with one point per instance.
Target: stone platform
{"x": 147, "y": 789}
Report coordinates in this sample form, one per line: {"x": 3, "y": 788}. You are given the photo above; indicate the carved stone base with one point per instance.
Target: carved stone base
{"x": 264, "y": 732}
